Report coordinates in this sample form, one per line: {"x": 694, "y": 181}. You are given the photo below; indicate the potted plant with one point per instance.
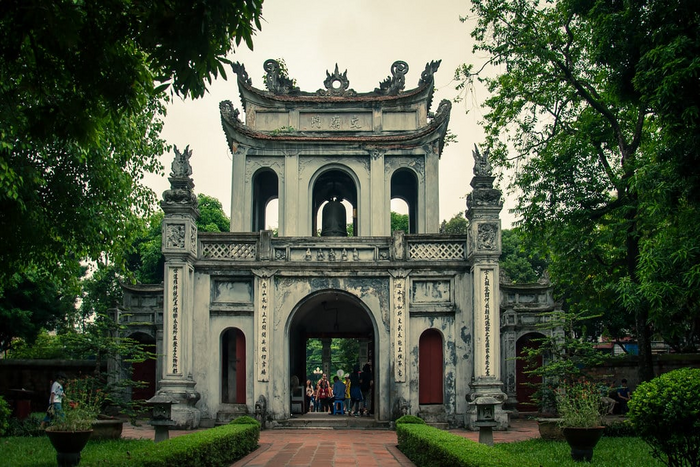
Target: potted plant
{"x": 581, "y": 417}
{"x": 70, "y": 430}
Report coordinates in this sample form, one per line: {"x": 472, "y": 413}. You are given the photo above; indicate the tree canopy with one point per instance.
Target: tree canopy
{"x": 584, "y": 111}
{"x": 81, "y": 92}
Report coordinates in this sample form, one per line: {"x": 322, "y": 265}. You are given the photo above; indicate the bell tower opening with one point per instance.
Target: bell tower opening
{"x": 265, "y": 190}
{"x": 404, "y": 186}
{"x": 334, "y": 203}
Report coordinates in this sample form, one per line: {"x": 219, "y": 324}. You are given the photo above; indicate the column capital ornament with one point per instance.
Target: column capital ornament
{"x": 180, "y": 198}
{"x": 264, "y": 273}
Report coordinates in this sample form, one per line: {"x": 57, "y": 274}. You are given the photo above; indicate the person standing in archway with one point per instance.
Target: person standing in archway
{"x": 366, "y": 385}
{"x": 355, "y": 391}
{"x": 324, "y": 392}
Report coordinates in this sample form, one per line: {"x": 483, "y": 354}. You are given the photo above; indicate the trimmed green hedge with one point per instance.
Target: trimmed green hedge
{"x": 216, "y": 447}
{"x": 428, "y": 446}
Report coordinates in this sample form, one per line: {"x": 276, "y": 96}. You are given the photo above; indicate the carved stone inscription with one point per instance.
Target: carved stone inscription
{"x": 263, "y": 323}
{"x": 487, "y": 323}
{"x": 356, "y": 121}
{"x": 400, "y": 324}
{"x": 175, "y": 315}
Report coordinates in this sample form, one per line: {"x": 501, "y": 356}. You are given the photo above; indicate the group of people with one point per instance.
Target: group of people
{"x": 615, "y": 398}
{"x": 355, "y": 392}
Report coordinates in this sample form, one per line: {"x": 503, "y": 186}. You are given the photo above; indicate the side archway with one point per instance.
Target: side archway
{"x": 526, "y": 384}
{"x": 233, "y": 367}
{"x": 430, "y": 368}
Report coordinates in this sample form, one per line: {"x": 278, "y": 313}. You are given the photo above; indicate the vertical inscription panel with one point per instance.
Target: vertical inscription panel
{"x": 400, "y": 325}
{"x": 173, "y": 318}
{"x": 263, "y": 363}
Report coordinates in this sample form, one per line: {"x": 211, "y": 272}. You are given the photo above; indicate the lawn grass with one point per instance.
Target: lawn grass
{"x": 610, "y": 452}
{"x": 38, "y": 452}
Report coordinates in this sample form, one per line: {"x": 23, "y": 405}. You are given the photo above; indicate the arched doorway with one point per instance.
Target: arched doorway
{"x": 430, "y": 368}
{"x": 526, "y": 384}
{"x": 330, "y": 316}
{"x": 233, "y": 368}
{"x": 145, "y": 371}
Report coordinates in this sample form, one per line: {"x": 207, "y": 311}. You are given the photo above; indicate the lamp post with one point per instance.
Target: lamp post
{"x": 317, "y": 373}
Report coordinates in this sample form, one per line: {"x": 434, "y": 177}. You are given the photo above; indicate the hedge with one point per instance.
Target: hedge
{"x": 216, "y": 447}
{"x": 429, "y": 446}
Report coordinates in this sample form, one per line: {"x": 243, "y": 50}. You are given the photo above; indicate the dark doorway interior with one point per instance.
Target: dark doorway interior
{"x": 526, "y": 384}
{"x": 430, "y": 368}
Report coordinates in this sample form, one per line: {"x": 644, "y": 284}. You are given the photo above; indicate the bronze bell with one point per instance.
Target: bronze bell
{"x": 333, "y": 220}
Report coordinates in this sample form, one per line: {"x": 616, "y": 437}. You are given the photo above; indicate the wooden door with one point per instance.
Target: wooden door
{"x": 430, "y": 368}
{"x": 526, "y": 384}
{"x": 145, "y": 371}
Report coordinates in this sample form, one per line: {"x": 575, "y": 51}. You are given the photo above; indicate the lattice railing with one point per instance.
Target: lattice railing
{"x": 234, "y": 251}
{"x": 436, "y": 251}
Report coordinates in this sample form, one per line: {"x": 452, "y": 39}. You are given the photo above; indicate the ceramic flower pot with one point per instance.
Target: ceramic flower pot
{"x": 68, "y": 445}
{"x": 582, "y": 441}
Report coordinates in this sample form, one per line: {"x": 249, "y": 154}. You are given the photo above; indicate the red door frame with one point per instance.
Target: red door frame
{"x": 430, "y": 368}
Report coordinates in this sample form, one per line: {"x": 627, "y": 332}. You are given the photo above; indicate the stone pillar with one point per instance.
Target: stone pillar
{"x": 326, "y": 358}
{"x": 180, "y": 250}
{"x": 378, "y": 195}
{"x": 484, "y": 205}
{"x": 291, "y": 223}
{"x": 240, "y": 212}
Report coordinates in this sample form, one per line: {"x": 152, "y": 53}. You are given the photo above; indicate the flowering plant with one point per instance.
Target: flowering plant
{"x": 83, "y": 399}
{"x": 579, "y": 405}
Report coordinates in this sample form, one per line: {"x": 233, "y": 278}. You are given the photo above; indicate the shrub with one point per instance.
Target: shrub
{"x": 30, "y": 426}
{"x": 665, "y": 413}
{"x": 410, "y": 419}
{"x": 245, "y": 420}
{"x": 619, "y": 429}
{"x": 4, "y": 415}
{"x": 428, "y": 446}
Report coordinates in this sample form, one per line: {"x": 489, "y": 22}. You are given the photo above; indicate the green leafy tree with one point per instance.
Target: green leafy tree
{"x": 81, "y": 91}
{"x": 32, "y": 301}
{"x": 520, "y": 263}
{"x": 456, "y": 226}
{"x": 576, "y": 112}
{"x": 399, "y": 222}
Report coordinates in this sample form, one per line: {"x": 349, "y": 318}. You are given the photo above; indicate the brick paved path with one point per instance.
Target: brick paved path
{"x": 328, "y": 447}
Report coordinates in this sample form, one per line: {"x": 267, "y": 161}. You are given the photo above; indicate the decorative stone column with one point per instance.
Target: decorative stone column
{"x": 180, "y": 250}
{"x": 484, "y": 205}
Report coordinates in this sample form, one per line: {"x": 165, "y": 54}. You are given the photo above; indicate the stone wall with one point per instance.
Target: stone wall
{"x": 626, "y": 367}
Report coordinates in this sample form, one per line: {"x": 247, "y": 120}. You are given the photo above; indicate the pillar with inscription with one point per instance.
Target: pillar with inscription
{"x": 484, "y": 205}
{"x": 180, "y": 250}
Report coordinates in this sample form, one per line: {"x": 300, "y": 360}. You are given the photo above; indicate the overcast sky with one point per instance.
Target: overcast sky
{"x": 363, "y": 37}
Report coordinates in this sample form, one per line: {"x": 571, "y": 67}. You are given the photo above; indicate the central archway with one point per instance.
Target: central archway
{"x": 327, "y": 315}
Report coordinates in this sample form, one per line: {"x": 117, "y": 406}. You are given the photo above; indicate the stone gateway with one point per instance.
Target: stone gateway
{"x": 238, "y": 307}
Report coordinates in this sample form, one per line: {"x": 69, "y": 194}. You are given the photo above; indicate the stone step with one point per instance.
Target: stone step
{"x": 330, "y": 422}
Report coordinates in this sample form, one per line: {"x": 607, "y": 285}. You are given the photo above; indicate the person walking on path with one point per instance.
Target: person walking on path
{"x": 55, "y": 409}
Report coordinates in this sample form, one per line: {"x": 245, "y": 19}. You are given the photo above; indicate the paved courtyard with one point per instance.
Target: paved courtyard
{"x": 328, "y": 447}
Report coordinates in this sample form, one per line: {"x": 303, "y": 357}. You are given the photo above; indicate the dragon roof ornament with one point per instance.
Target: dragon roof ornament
{"x": 395, "y": 83}
{"x": 276, "y": 80}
